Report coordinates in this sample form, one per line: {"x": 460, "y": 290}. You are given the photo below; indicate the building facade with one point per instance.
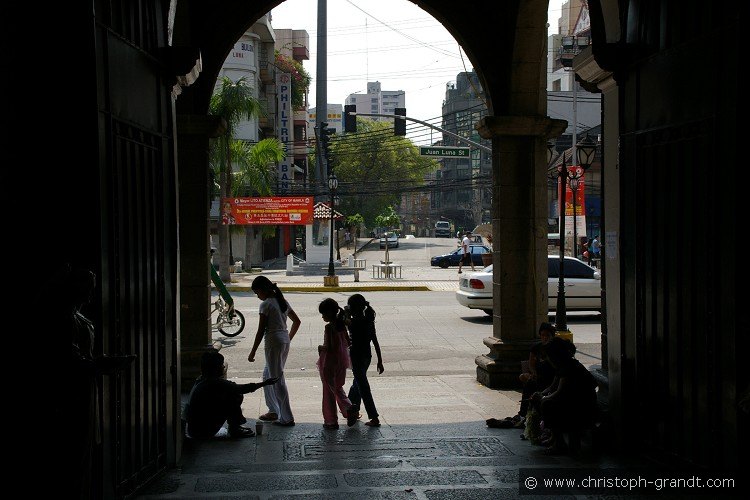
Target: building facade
{"x": 463, "y": 187}
{"x": 568, "y": 100}
{"x": 378, "y": 101}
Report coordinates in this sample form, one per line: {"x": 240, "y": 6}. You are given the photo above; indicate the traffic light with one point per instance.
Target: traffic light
{"x": 399, "y": 125}
{"x": 325, "y": 139}
{"x": 350, "y": 121}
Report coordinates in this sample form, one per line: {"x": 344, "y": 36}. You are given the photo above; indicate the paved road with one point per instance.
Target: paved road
{"x": 421, "y": 333}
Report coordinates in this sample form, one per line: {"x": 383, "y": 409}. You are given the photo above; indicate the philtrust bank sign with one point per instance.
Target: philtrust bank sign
{"x": 285, "y": 129}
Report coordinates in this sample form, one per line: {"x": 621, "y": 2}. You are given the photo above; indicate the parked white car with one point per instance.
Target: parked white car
{"x": 583, "y": 290}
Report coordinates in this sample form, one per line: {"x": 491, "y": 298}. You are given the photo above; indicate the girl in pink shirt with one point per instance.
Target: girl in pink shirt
{"x": 332, "y": 365}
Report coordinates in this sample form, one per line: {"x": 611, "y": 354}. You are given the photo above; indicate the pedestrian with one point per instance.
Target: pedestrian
{"x": 214, "y": 400}
{"x": 332, "y": 364}
{"x": 347, "y": 238}
{"x": 596, "y": 248}
{"x": 466, "y": 252}
{"x": 274, "y": 311}
{"x": 360, "y": 318}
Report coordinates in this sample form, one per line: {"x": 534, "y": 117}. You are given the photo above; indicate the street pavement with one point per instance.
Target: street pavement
{"x": 433, "y": 443}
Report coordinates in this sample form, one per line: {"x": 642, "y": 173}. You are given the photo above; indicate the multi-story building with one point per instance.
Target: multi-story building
{"x": 378, "y": 101}
{"x": 463, "y": 187}
{"x": 254, "y": 58}
{"x": 567, "y": 100}
{"x": 334, "y": 117}
{"x": 294, "y": 44}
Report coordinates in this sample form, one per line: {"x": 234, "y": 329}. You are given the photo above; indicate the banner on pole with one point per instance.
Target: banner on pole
{"x": 268, "y": 210}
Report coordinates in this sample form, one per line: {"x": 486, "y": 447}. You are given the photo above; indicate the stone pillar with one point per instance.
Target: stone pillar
{"x": 589, "y": 70}
{"x": 519, "y": 235}
{"x": 193, "y": 133}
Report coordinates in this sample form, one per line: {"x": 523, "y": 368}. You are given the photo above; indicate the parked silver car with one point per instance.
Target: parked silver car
{"x": 390, "y": 238}
{"x": 583, "y": 288}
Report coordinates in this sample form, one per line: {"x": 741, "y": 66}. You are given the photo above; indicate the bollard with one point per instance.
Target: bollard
{"x": 356, "y": 275}
{"x": 289, "y": 264}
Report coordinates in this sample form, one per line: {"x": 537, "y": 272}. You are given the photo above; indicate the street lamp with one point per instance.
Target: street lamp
{"x": 585, "y": 150}
{"x": 333, "y": 184}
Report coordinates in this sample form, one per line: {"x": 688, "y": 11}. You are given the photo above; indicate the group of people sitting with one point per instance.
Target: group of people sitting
{"x": 559, "y": 395}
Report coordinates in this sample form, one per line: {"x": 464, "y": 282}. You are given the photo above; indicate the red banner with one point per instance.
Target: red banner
{"x": 270, "y": 210}
{"x": 575, "y": 171}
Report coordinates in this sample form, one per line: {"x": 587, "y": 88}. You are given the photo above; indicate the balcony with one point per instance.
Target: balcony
{"x": 300, "y": 116}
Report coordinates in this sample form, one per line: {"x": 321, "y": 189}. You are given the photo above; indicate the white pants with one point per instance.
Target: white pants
{"x": 277, "y": 395}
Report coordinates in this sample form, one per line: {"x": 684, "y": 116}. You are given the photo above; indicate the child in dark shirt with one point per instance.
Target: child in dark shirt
{"x": 214, "y": 401}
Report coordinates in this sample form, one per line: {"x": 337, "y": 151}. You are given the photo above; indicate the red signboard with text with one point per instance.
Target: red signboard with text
{"x": 580, "y": 194}
{"x": 268, "y": 210}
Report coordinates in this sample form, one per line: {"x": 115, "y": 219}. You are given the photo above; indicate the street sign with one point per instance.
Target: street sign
{"x": 444, "y": 151}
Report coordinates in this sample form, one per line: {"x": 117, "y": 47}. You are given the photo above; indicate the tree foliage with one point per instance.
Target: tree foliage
{"x": 234, "y": 102}
{"x": 300, "y": 78}
{"x": 388, "y": 218}
{"x": 374, "y": 167}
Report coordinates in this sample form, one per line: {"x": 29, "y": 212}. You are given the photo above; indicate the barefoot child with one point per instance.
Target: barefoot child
{"x": 332, "y": 364}
{"x": 274, "y": 311}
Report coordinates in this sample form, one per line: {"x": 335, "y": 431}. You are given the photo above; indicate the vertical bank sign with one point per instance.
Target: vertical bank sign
{"x": 286, "y": 129}
{"x": 268, "y": 210}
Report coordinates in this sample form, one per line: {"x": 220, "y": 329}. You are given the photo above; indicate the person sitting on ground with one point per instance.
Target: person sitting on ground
{"x": 214, "y": 400}
{"x": 569, "y": 403}
{"x": 538, "y": 376}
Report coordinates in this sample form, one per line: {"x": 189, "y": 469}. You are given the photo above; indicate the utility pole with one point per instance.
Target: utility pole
{"x": 321, "y": 89}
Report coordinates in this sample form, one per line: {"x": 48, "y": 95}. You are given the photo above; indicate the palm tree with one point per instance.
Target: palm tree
{"x": 255, "y": 162}
{"x": 234, "y": 102}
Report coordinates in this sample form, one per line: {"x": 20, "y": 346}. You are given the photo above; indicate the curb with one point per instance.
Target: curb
{"x": 369, "y": 288}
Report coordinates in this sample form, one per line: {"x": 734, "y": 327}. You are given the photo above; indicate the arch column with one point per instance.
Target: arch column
{"x": 519, "y": 227}
{"x": 193, "y": 133}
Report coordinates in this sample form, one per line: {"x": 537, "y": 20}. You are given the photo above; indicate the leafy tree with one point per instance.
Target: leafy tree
{"x": 234, "y": 102}
{"x": 257, "y": 166}
{"x": 389, "y": 218}
{"x": 300, "y": 78}
{"x": 374, "y": 167}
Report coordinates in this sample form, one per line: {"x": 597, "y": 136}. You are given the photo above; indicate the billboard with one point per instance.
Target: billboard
{"x": 268, "y": 210}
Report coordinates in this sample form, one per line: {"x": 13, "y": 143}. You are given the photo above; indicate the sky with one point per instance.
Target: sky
{"x": 390, "y": 41}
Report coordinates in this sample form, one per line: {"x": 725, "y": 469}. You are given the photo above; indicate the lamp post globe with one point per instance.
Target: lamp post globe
{"x": 333, "y": 182}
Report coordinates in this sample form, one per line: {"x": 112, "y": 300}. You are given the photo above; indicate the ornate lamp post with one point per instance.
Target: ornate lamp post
{"x": 585, "y": 150}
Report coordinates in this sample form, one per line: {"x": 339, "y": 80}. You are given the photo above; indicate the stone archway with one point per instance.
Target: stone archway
{"x": 506, "y": 42}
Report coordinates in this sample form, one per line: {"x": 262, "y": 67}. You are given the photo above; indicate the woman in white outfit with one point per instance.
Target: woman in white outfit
{"x": 274, "y": 311}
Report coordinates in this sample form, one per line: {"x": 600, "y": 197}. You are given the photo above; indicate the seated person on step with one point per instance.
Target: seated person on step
{"x": 569, "y": 404}
{"x": 538, "y": 376}
{"x": 214, "y": 400}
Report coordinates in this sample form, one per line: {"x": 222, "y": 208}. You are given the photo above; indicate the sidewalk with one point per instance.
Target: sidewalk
{"x": 433, "y": 444}
{"x": 418, "y": 277}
